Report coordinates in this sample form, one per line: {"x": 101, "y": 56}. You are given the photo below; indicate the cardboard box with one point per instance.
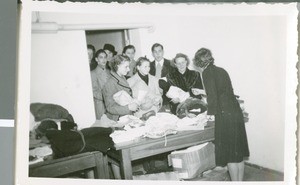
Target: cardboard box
{"x": 191, "y": 162}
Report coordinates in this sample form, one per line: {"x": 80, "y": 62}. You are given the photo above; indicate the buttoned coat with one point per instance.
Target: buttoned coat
{"x": 138, "y": 86}
{"x": 99, "y": 77}
{"x": 113, "y": 85}
{"x": 231, "y": 144}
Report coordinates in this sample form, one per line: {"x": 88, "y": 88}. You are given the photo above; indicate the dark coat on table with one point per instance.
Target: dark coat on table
{"x": 231, "y": 143}
{"x": 113, "y": 85}
{"x": 71, "y": 142}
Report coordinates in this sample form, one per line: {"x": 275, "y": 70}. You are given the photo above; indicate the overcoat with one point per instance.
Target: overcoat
{"x": 99, "y": 77}
{"x": 138, "y": 86}
{"x": 113, "y": 85}
{"x": 231, "y": 143}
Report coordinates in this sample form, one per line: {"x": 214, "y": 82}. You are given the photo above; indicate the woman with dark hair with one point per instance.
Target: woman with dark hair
{"x": 91, "y": 52}
{"x": 130, "y": 52}
{"x": 145, "y": 87}
{"x": 231, "y": 144}
{"x": 99, "y": 77}
{"x": 116, "y": 83}
{"x": 185, "y": 79}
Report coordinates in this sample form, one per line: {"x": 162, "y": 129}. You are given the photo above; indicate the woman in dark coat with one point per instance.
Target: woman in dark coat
{"x": 231, "y": 144}
{"x": 184, "y": 78}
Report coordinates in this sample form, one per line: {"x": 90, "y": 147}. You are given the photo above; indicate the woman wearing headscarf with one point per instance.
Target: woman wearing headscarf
{"x": 231, "y": 144}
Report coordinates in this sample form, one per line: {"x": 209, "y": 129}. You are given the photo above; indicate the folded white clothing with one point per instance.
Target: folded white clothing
{"x": 176, "y": 92}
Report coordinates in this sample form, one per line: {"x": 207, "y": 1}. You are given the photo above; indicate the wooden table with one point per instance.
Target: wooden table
{"x": 146, "y": 147}
{"x": 88, "y": 161}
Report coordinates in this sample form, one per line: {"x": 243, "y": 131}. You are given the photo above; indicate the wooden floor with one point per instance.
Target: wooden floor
{"x": 259, "y": 174}
{"x": 251, "y": 174}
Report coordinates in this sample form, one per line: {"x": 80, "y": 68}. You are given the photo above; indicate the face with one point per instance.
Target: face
{"x": 109, "y": 55}
{"x": 123, "y": 68}
{"x": 130, "y": 53}
{"x": 101, "y": 59}
{"x": 158, "y": 53}
{"x": 181, "y": 64}
{"x": 144, "y": 68}
{"x": 90, "y": 54}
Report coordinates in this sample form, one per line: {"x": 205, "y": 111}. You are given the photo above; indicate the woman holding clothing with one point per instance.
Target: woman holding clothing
{"x": 145, "y": 88}
{"x": 231, "y": 145}
{"x": 184, "y": 78}
{"x": 116, "y": 83}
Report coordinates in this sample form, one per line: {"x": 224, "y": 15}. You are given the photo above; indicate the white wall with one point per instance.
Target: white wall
{"x": 250, "y": 48}
{"x": 60, "y": 74}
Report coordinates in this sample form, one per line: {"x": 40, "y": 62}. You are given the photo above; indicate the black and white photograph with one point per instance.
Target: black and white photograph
{"x": 156, "y": 93}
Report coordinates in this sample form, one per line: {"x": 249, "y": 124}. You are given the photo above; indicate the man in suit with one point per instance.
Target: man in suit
{"x": 160, "y": 67}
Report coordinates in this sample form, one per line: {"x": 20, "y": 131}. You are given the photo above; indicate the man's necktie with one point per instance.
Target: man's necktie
{"x": 158, "y": 70}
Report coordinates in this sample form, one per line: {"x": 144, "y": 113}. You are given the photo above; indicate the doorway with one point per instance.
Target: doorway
{"x": 100, "y": 37}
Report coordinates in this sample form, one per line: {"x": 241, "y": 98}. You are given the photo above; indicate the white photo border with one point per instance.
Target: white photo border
{"x": 23, "y": 77}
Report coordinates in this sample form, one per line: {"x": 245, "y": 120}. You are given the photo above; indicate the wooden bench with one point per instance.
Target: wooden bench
{"x": 94, "y": 162}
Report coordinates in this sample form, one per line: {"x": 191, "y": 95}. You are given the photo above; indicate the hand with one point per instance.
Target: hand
{"x": 175, "y": 100}
{"x": 197, "y": 91}
{"x": 133, "y": 106}
{"x": 156, "y": 101}
{"x": 210, "y": 117}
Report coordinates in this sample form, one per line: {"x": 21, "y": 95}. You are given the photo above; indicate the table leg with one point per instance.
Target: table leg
{"x": 89, "y": 174}
{"x": 126, "y": 167}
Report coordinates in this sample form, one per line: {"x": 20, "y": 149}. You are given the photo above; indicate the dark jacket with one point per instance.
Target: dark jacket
{"x": 113, "y": 85}
{"x": 70, "y": 142}
{"x": 186, "y": 81}
{"x": 167, "y": 67}
{"x": 218, "y": 87}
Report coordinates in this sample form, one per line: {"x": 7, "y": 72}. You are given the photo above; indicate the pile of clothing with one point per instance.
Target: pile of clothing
{"x": 160, "y": 125}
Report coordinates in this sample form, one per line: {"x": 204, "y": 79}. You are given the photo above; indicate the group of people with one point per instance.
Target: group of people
{"x": 148, "y": 82}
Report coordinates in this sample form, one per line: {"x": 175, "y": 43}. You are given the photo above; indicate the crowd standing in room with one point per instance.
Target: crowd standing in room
{"x": 148, "y": 83}
{"x": 125, "y": 86}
